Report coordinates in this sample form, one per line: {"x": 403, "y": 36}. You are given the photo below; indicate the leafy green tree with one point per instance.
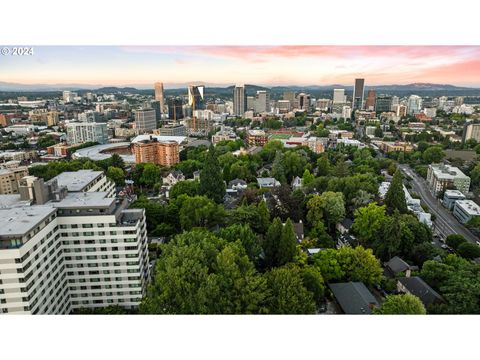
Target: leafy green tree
{"x": 278, "y": 169}
{"x": 199, "y": 273}
{"x": 378, "y": 132}
{"x": 116, "y": 175}
{"x": 395, "y": 197}
{"x": 287, "y": 247}
{"x": 455, "y": 240}
{"x": 313, "y": 281}
{"x": 387, "y": 243}
{"x": 323, "y": 166}
{"x": 187, "y": 187}
{"x": 328, "y": 264}
{"x": 468, "y": 250}
{"x": 150, "y": 175}
{"x": 368, "y": 221}
{"x": 211, "y": 180}
{"x": 294, "y": 164}
{"x": 359, "y": 264}
{"x": 341, "y": 169}
{"x": 307, "y": 177}
{"x": 289, "y": 295}
{"x": 200, "y": 211}
{"x": 406, "y": 304}
{"x": 433, "y": 154}
{"x": 333, "y": 207}
{"x": 246, "y": 236}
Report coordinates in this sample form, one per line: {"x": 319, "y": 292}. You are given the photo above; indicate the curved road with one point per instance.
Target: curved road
{"x": 445, "y": 223}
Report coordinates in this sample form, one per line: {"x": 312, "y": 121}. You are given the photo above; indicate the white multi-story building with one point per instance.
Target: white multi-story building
{"x": 82, "y": 132}
{"x": 414, "y": 104}
{"x": 339, "y": 96}
{"x": 441, "y": 177}
{"x": 89, "y": 116}
{"x": 83, "y": 250}
{"x": 85, "y": 181}
{"x": 465, "y": 210}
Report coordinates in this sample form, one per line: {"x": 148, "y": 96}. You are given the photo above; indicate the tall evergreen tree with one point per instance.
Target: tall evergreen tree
{"x": 271, "y": 242}
{"x": 278, "y": 170}
{"x": 395, "y": 197}
{"x": 211, "y": 180}
{"x": 264, "y": 216}
{"x": 288, "y": 244}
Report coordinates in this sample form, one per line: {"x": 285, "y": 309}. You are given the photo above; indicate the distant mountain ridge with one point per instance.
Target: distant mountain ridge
{"x": 141, "y": 88}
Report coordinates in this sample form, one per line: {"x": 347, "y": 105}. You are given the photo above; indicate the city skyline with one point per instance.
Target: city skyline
{"x": 141, "y": 66}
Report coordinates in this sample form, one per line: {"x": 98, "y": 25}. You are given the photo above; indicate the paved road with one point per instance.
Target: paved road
{"x": 445, "y": 223}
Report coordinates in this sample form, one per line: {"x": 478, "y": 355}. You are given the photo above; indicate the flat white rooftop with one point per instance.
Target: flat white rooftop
{"x": 76, "y": 180}
{"x": 146, "y": 137}
{"x": 447, "y": 172}
{"x": 18, "y": 221}
{"x": 468, "y": 206}
{"x": 84, "y": 199}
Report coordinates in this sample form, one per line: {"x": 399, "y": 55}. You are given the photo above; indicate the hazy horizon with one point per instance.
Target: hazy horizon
{"x": 141, "y": 66}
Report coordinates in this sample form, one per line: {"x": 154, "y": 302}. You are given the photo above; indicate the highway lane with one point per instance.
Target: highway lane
{"x": 445, "y": 223}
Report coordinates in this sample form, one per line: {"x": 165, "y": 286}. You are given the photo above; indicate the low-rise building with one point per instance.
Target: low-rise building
{"x": 256, "y": 138}
{"x": 465, "y": 210}
{"x": 450, "y": 197}
{"x": 267, "y": 182}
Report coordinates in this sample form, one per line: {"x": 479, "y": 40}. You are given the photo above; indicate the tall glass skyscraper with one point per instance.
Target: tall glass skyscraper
{"x": 358, "y": 91}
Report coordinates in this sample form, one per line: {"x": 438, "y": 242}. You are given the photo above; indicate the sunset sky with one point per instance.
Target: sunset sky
{"x": 262, "y": 65}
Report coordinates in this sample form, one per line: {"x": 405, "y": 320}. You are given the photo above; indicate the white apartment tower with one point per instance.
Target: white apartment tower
{"x": 80, "y": 250}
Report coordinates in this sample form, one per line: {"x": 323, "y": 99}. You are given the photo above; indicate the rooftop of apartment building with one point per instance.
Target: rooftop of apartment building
{"x": 469, "y": 206}
{"x": 76, "y": 180}
{"x": 159, "y": 138}
{"x": 444, "y": 171}
{"x": 18, "y": 221}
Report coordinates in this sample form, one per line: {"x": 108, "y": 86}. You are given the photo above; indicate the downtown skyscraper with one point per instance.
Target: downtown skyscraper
{"x": 358, "y": 92}
{"x": 239, "y": 100}
{"x": 159, "y": 95}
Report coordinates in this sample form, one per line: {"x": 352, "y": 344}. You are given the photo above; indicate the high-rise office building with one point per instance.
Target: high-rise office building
{"x": 339, "y": 96}
{"x": 370, "y": 102}
{"x": 196, "y": 97}
{"x": 383, "y": 103}
{"x": 52, "y": 118}
{"x": 358, "y": 92}
{"x": 262, "y": 101}
{"x": 290, "y": 96}
{"x": 156, "y": 105}
{"x": 175, "y": 109}
{"x": 414, "y": 104}
{"x": 304, "y": 101}
{"x": 82, "y": 132}
{"x": 239, "y": 100}
{"x": 251, "y": 103}
{"x": 145, "y": 120}
{"x": 89, "y": 116}
{"x": 395, "y": 102}
{"x": 70, "y": 250}
{"x": 159, "y": 95}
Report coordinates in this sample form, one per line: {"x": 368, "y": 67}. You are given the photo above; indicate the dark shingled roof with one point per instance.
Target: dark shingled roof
{"x": 397, "y": 265}
{"x": 353, "y": 297}
{"x": 416, "y": 286}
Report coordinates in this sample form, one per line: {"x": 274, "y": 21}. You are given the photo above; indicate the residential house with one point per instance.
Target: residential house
{"x": 354, "y": 298}
{"x": 415, "y": 285}
{"x": 397, "y": 265}
{"x": 297, "y": 183}
{"x": 267, "y": 182}
{"x": 173, "y": 177}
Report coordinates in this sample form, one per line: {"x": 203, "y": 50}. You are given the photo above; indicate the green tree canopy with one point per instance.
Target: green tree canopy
{"x": 211, "y": 179}
{"x": 395, "y": 197}
{"x": 406, "y": 304}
